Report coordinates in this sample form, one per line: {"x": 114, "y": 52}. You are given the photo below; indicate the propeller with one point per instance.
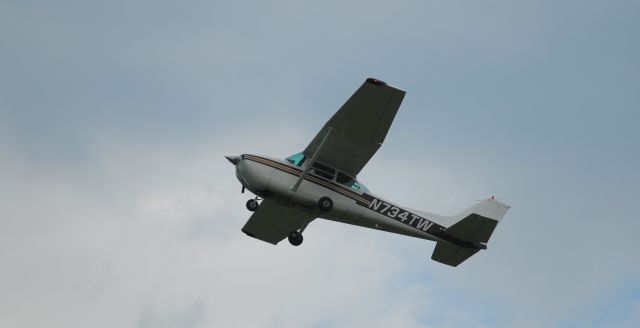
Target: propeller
{"x": 233, "y": 159}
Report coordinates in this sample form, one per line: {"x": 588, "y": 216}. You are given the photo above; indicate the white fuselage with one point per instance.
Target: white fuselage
{"x": 274, "y": 178}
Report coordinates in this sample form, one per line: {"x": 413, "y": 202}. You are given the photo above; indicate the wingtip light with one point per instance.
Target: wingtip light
{"x": 376, "y": 81}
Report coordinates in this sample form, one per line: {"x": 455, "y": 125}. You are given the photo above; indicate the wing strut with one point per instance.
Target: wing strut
{"x": 310, "y": 162}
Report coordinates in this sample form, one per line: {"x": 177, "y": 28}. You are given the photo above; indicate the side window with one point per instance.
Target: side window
{"x": 348, "y": 181}
{"x": 345, "y": 179}
{"x": 322, "y": 170}
{"x": 296, "y": 159}
{"x": 359, "y": 186}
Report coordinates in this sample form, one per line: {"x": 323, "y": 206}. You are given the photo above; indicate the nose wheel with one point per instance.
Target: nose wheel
{"x": 252, "y": 205}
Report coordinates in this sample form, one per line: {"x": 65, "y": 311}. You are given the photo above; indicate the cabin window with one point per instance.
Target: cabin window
{"x": 296, "y": 159}
{"x": 349, "y": 182}
{"x": 345, "y": 179}
{"x": 322, "y": 171}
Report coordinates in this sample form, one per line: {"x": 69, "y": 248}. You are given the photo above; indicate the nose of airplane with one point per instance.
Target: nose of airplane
{"x": 233, "y": 159}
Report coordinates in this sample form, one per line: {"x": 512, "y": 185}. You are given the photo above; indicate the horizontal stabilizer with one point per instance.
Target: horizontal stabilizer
{"x": 450, "y": 254}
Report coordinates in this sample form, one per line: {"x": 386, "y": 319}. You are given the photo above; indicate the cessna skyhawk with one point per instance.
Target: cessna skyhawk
{"x": 320, "y": 182}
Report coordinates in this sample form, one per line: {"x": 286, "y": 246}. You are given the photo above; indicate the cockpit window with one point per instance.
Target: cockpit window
{"x": 296, "y": 159}
{"x": 327, "y": 172}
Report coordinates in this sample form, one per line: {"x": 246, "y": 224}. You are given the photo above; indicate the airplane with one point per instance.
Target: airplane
{"x": 320, "y": 182}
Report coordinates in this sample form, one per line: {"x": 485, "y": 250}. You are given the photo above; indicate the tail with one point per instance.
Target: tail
{"x": 468, "y": 232}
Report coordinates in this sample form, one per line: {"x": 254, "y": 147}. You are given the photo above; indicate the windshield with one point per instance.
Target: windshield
{"x": 296, "y": 159}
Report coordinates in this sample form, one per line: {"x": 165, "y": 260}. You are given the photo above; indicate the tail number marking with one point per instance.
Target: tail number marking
{"x": 400, "y": 215}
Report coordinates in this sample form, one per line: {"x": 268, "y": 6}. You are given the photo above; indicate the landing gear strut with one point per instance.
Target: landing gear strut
{"x": 295, "y": 237}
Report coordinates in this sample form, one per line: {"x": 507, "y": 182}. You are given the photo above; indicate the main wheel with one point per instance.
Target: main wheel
{"x": 325, "y": 204}
{"x": 252, "y": 205}
{"x": 295, "y": 238}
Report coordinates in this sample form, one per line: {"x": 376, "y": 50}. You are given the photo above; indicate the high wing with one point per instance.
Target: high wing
{"x": 358, "y": 129}
{"x": 273, "y": 222}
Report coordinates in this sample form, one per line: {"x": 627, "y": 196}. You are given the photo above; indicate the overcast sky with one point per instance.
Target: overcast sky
{"x": 118, "y": 209}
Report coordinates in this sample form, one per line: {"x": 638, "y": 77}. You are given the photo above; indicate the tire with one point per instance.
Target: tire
{"x": 252, "y": 205}
{"x": 325, "y": 204}
{"x": 295, "y": 238}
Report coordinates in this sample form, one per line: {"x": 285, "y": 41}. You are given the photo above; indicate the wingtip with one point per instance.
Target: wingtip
{"x": 376, "y": 82}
